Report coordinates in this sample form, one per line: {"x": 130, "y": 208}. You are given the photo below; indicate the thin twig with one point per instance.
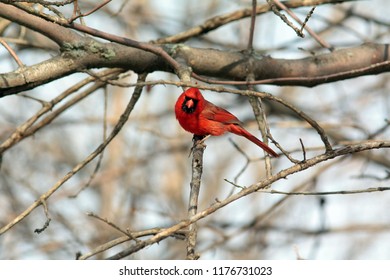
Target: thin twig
{"x": 303, "y": 149}
{"x": 135, "y": 234}
{"x": 307, "y": 28}
{"x": 45, "y": 3}
{"x": 48, "y": 218}
{"x": 74, "y": 16}
{"x": 356, "y": 191}
{"x": 252, "y": 26}
{"x": 11, "y": 52}
{"x": 111, "y": 224}
{"x": 307, "y": 18}
{"x": 276, "y": 11}
{"x": 261, "y": 120}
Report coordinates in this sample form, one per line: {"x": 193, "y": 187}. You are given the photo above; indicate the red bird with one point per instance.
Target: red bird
{"x": 201, "y": 117}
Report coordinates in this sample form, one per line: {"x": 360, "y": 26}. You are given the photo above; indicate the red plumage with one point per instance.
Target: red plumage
{"x": 201, "y": 117}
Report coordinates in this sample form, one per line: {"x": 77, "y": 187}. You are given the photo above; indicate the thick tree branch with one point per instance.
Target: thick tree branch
{"x": 367, "y": 59}
{"x": 79, "y": 53}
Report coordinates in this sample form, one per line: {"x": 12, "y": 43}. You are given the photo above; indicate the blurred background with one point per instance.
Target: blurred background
{"x": 141, "y": 181}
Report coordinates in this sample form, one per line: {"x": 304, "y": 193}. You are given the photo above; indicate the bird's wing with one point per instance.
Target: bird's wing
{"x": 218, "y": 114}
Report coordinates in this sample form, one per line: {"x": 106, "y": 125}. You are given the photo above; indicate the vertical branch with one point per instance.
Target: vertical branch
{"x": 197, "y": 169}
{"x": 252, "y": 26}
{"x": 256, "y": 103}
{"x": 197, "y": 149}
{"x": 257, "y": 107}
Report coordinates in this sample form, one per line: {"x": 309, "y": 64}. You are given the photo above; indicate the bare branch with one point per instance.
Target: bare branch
{"x": 197, "y": 169}
{"x": 357, "y": 191}
{"x": 74, "y": 17}
{"x": 12, "y": 53}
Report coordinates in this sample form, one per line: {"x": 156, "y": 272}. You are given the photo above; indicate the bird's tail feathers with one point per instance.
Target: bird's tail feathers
{"x": 236, "y": 129}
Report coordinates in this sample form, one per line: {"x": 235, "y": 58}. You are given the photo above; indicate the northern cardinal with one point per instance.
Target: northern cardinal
{"x": 201, "y": 117}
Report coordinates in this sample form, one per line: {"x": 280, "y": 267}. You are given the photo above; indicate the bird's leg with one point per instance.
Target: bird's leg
{"x": 198, "y": 140}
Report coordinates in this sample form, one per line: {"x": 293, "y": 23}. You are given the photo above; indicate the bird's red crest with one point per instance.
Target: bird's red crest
{"x": 193, "y": 93}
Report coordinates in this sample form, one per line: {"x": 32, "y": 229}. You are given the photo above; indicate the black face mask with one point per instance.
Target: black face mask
{"x": 189, "y": 110}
